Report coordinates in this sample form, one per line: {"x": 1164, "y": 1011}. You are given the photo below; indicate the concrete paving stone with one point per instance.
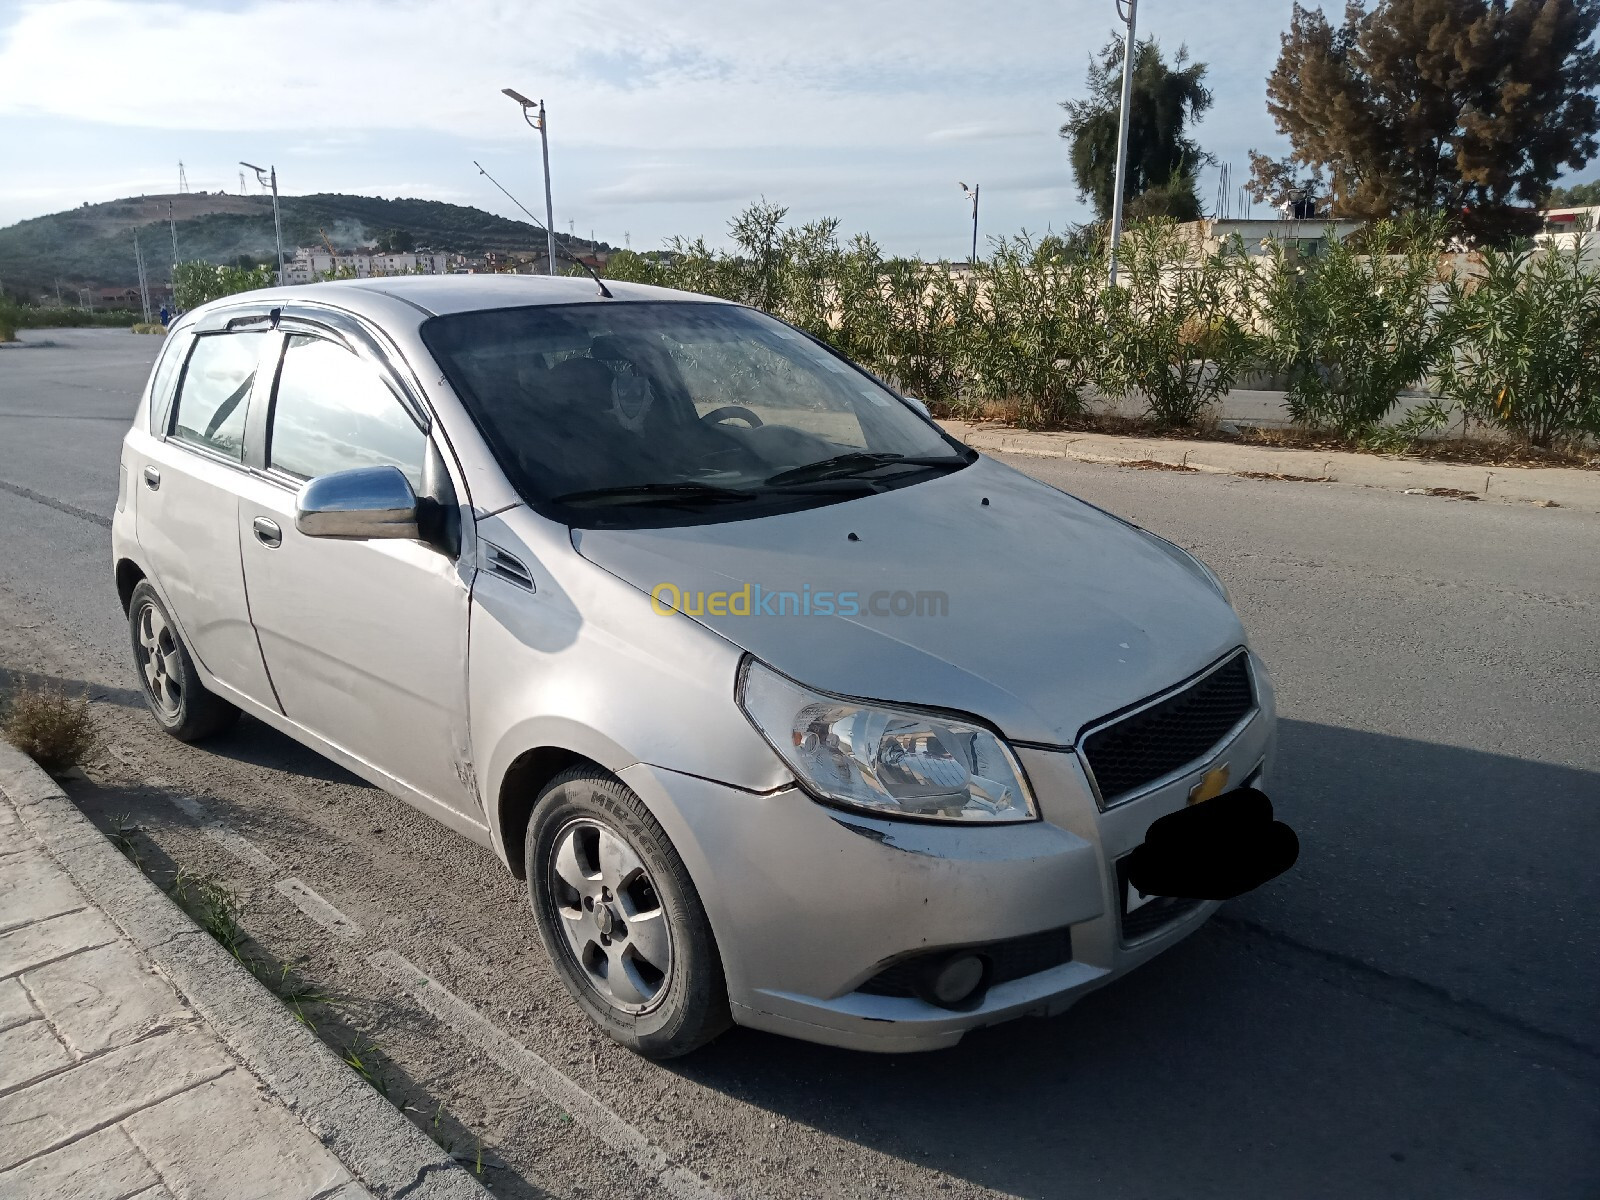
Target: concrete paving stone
{"x": 104, "y": 998}
{"x": 34, "y": 888}
{"x": 226, "y": 1141}
{"x": 102, "y": 1166}
{"x": 15, "y": 1007}
{"x": 29, "y": 1051}
{"x": 32, "y": 945}
{"x": 101, "y": 1090}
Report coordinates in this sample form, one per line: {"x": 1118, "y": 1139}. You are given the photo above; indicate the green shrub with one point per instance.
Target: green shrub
{"x": 54, "y": 729}
{"x": 1355, "y": 326}
{"x": 1173, "y": 327}
{"x": 1037, "y": 338}
{"x": 196, "y": 283}
{"x": 1527, "y": 344}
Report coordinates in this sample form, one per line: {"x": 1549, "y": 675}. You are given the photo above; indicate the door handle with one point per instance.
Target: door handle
{"x": 267, "y": 533}
{"x": 152, "y": 478}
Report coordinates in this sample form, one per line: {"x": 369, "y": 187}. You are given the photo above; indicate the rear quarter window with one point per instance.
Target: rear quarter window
{"x": 162, "y": 379}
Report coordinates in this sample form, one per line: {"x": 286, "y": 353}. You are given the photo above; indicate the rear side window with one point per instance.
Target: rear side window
{"x": 334, "y": 412}
{"x": 216, "y": 388}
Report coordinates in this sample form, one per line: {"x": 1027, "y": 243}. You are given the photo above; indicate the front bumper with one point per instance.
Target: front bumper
{"x": 808, "y": 903}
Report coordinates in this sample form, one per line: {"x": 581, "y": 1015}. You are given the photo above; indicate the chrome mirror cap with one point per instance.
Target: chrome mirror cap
{"x": 918, "y": 405}
{"x": 367, "y": 502}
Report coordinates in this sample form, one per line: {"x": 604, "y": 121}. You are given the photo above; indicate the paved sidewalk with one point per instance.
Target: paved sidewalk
{"x": 113, "y": 1085}
{"x": 1563, "y": 487}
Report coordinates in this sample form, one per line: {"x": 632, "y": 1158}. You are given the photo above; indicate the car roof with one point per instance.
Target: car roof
{"x": 437, "y": 295}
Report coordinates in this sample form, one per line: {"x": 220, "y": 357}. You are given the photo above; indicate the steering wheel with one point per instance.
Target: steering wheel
{"x": 731, "y": 411}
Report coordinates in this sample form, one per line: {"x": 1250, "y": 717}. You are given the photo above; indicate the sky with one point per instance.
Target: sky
{"x": 664, "y": 118}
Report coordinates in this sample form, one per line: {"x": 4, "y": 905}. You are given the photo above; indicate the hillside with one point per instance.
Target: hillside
{"x": 93, "y": 245}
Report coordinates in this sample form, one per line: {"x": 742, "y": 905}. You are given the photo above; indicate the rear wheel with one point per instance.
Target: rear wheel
{"x": 621, "y": 919}
{"x": 172, "y": 689}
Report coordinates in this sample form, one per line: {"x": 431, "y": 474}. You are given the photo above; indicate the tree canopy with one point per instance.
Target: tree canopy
{"x": 1469, "y": 108}
{"x": 1162, "y": 158}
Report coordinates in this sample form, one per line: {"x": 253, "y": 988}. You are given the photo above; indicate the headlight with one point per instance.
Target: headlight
{"x": 892, "y": 761}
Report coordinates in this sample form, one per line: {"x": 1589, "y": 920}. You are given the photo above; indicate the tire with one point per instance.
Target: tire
{"x": 172, "y": 689}
{"x": 621, "y": 919}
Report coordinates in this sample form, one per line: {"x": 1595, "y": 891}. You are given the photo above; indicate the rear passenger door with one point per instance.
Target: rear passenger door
{"x": 186, "y": 517}
{"x": 366, "y": 641}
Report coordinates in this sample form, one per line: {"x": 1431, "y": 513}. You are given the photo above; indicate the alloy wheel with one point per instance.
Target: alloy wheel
{"x": 611, "y": 915}
{"x": 159, "y": 661}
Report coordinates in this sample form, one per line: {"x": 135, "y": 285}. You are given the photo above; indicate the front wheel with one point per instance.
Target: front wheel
{"x": 172, "y": 689}
{"x": 621, "y": 919}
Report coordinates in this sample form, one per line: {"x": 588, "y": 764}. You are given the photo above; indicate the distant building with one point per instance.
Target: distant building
{"x": 128, "y": 297}
{"x": 1563, "y": 226}
{"x": 310, "y": 264}
{"x": 1303, "y": 237}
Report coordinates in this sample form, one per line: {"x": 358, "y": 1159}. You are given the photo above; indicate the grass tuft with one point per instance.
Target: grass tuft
{"x": 53, "y": 728}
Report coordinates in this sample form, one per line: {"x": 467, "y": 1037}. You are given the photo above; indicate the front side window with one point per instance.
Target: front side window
{"x": 334, "y": 412}
{"x": 215, "y": 392}
{"x": 629, "y": 414}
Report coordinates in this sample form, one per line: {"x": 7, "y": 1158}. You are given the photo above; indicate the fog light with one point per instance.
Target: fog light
{"x": 954, "y": 981}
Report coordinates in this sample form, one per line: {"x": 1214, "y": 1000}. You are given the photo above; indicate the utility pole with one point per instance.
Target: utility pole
{"x": 266, "y": 180}
{"x": 1128, "y": 11}
{"x": 538, "y": 121}
{"x": 144, "y": 288}
{"x": 972, "y": 194}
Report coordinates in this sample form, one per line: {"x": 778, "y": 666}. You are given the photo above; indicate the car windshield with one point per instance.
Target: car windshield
{"x": 628, "y": 414}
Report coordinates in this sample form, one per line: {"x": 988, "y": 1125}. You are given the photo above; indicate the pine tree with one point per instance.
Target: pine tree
{"x": 1469, "y": 108}
{"x": 1162, "y": 159}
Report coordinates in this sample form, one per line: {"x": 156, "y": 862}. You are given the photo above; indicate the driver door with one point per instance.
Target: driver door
{"x": 365, "y": 641}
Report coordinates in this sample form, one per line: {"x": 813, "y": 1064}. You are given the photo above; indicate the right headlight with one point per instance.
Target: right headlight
{"x": 891, "y": 761}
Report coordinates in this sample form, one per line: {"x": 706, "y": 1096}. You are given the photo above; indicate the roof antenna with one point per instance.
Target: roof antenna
{"x": 604, "y": 291}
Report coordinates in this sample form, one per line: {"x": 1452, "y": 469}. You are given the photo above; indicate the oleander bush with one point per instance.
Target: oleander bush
{"x": 1355, "y": 326}
{"x": 1526, "y": 337}
{"x": 1034, "y": 333}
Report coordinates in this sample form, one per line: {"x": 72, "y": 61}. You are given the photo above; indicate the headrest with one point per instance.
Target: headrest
{"x": 610, "y": 347}
{"x": 581, "y": 381}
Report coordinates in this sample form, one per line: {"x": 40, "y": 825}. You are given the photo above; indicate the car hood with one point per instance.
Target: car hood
{"x": 1055, "y": 613}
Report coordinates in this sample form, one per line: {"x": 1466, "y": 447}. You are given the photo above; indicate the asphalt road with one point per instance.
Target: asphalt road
{"x": 1411, "y": 1012}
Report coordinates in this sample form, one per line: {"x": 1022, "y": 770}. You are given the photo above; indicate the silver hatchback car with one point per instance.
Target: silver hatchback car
{"x": 792, "y": 711}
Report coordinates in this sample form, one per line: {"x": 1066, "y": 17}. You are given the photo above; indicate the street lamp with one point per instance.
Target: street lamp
{"x": 268, "y": 177}
{"x": 537, "y": 120}
{"x": 972, "y": 194}
{"x": 1126, "y": 12}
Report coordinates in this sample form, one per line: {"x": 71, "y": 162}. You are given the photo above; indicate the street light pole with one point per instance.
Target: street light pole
{"x": 539, "y": 122}
{"x": 271, "y": 180}
{"x": 972, "y": 194}
{"x": 1127, "y": 10}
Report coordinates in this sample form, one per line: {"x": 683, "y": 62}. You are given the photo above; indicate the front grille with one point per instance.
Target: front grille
{"x": 1155, "y": 741}
{"x": 1015, "y": 958}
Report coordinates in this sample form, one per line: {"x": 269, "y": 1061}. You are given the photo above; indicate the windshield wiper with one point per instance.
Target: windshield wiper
{"x": 654, "y": 493}
{"x": 859, "y": 462}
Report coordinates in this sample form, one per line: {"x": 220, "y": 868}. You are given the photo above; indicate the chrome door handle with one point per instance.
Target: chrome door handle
{"x": 152, "y": 478}
{"x": 267, "y": 533}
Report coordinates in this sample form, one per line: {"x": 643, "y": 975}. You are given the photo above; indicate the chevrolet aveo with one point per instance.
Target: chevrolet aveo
{"x": 792, "y": 711}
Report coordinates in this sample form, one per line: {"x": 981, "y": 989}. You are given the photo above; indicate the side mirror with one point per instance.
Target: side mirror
{"x": 918, "y": 405}
{"x": 367, "y": 502}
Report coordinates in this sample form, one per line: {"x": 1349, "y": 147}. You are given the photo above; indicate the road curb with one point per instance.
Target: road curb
{"x": 386, "y": 1152}
{"x": 1548, "y": 487}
